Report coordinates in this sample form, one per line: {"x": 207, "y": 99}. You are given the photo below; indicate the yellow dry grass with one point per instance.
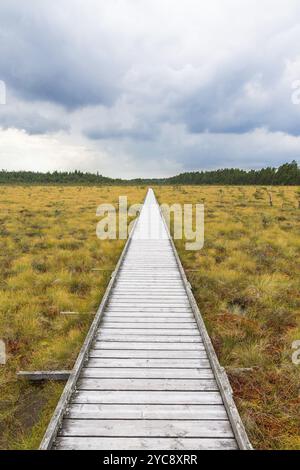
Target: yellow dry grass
{"x": 246, "y": 283}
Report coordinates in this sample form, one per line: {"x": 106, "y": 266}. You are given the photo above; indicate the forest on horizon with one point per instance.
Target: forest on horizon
{"x": 287, "y": 174}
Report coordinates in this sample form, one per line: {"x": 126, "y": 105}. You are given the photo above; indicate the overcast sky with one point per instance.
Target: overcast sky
{"x": 148, "y": 87}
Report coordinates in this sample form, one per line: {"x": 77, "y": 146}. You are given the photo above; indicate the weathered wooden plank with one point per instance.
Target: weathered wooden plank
{"x": 148, "y": 269}
{"x": 138, "y": 373}
{"x": 144, "y": 319}
{"x": 147, "y": 384}
{"x": 132, "y": 325}
{"x": 133, "y": 362}
{"x": 148, "y": 298}
{"x": 108, "y": 345}
{"x": 146, "y": 428}
{"x": 155, "y": 287}
{"x": 153, "y": 311}
{"x": 170, "y": 412}
{"x": 152, "y": 315}
{"x": 163, "y": 284}
{"x": 147, "y": 354}
{"x": 178, "y": 443}
{"x": 167, "y": 307}
{"x": 151, "y": 331}
{"x": 151, "y": 308}
{"x": 148, "y": 304}
{"x": 151, "y": 272}
{"x": 154, "y": 339}
{"x": 145, "y": 270}
{"x": 164, "y": 261}
{"x": 145, "y": 294}
{"x": 158, "y": 281}
{"x": 123, "y": 278}
{"x": 145, "y": 266}
{"x": 150, "y": 277}
{"x": 150, "y": 266}
{"x": 168, "y": 291}
{"x": 140, "y": 397}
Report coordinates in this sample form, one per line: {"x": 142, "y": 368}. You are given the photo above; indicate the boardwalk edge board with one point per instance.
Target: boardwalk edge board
{"x": 220, "y": 373}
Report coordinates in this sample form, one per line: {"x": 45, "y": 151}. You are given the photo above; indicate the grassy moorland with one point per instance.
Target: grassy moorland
{"x": 246, "y": 283}
{"x": 48, "y": 248}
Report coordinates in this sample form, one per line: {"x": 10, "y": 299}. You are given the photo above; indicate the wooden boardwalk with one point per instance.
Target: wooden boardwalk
{"x": 147, "y": 376}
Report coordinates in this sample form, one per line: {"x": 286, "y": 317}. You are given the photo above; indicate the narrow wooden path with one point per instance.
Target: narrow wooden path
{"x": 147, "y": 376}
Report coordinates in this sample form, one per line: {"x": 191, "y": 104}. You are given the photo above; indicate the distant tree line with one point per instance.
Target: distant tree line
{"x": 287, "y": 174}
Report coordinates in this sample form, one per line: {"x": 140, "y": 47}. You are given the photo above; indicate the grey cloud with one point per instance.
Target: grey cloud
{"x": 120, "y": 75}
{"x": 32, "y": 123}
{"x": 228, "y": 105}
{"x": 42, "y": 56}
{"x": 98, "y": 134}
{"x": 36, "y": 118}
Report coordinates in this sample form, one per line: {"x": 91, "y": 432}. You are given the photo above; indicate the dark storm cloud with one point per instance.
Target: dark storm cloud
{"x": 44, "y": 57}
{"x": 241, "y": 98}
{"x": 31, "y": 121}
{"x": 99, "y": 134}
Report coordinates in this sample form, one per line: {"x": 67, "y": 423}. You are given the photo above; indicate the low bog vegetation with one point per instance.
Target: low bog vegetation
{"x": 246, "y": 283}
{"x": 48, "y": 249}
{"x": 245, "y": 280}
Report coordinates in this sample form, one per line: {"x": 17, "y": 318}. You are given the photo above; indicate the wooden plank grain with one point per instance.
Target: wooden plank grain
{"x": 153, "y": 312}
{"x": 151, "y": 331}
{"x": 147, "y": 384}
{"x": 142, "y": 346}
{"x": 138, "y": 373}
{"x": 147, "y": 354}
{"x": 111, "y": 336}
{"x": 139, "y": 397}
{"x": 185, "y": 315}
{"x": 133, "y": 325}
{"x": 177, "y": 443}
{"x": 146, "y": 428}
{"x": 170, "y": 412}
{"x": 163, "y": 363}
{"x": 180, "y": 321}
{"x": 153, "y": 308}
